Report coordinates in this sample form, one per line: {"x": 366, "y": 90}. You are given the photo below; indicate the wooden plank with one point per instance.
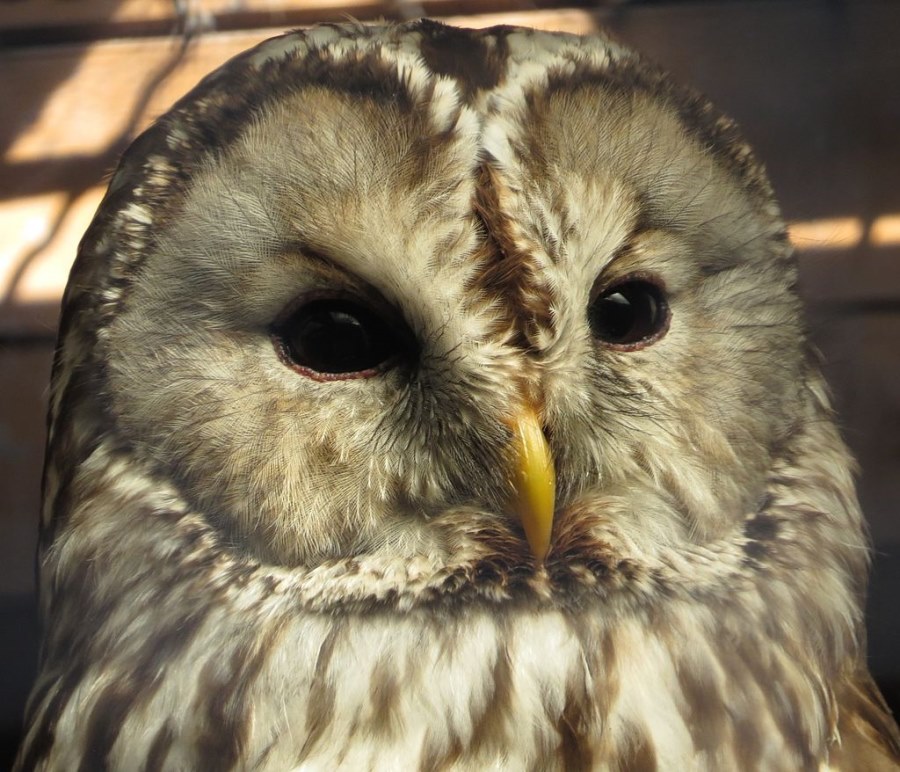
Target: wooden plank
{"x": 45, "y": 13}
{"x": 37, "y": 21}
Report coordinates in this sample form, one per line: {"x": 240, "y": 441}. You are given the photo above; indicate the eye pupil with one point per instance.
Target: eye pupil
{"x": 632, "y": 313}
{"x": 334, "y": 340}
{"x": 336, "y": 337}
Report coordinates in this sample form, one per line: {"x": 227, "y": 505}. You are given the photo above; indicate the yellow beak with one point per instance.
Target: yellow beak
{"x": 534, "y": 482}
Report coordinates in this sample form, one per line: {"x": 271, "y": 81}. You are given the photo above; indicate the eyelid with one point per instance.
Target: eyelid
{"x": 334, "y": 279}
{"x": 603, "y": 283}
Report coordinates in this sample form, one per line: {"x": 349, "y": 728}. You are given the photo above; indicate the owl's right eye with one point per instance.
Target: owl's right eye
{"x": 335, "y": 339}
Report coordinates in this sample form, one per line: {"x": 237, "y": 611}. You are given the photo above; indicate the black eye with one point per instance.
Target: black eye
{"x": 629, "y": 315}
{"x": 335, "y": 339}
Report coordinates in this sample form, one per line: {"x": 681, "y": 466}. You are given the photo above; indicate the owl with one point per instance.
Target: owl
{"x": 434, "y": 398}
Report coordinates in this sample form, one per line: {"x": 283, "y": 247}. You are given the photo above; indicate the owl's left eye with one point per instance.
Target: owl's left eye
{"x": 335, "y": 339}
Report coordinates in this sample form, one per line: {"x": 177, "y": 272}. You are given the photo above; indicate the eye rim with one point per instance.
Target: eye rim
{"x": 602, "y": 287}
{"x": 382, "y": 311}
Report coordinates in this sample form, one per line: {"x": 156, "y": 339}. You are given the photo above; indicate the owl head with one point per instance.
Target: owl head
{"x": 333, "y": 292}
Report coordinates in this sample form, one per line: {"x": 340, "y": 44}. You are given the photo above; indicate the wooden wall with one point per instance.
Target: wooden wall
{"x": 816, "y": 86}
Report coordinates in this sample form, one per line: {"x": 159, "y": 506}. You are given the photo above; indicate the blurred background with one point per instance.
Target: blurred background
{"x": 815, "y": 85}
